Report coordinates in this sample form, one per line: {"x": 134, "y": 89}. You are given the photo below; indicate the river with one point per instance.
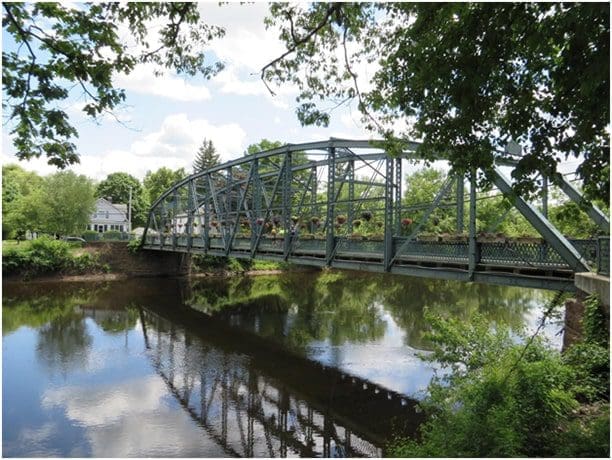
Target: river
{"x": 299, "y": 364}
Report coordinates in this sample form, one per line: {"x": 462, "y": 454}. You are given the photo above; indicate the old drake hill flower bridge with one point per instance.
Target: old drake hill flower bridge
{"x": 338, "y": 203}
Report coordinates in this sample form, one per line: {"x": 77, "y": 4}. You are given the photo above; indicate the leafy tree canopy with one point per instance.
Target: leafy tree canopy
{"x": 206, "y": 158}
{"x": 117, "y": 186}
{"x": 62, "y": 46}
{"x": 155, "y": 183}
{"x": 464, "y": 78}
{"x": 68, "y": 203}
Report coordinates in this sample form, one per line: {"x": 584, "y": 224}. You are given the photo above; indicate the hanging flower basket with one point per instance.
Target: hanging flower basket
{"x": 259, "y": 221}
{"x": 341, "y": 219}
{"x": 315, "y": 220}
{"x": 407, "y": 221}
{"x": 356, "y": 223}
{"x": 366, "y": 215}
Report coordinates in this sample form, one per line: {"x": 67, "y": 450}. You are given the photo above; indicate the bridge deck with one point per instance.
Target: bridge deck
{"x": 527, "y": 264}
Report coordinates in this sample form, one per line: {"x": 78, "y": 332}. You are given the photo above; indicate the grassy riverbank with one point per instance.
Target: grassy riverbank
{"x": 50, "y": 259}
{"x": 46, "y": 256}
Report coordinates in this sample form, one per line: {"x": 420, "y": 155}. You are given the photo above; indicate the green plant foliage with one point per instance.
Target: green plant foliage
{"x": 497, "y": 399}
{"x": 111, "y": 235}
{"x": 45, "y": 255}
{"x": 464, "y": 78}
{"x": 156, "y": 183}
{"x": 50, "y": 48}
{"x": 595, "y": 323}
{"x": 206, "y": 157}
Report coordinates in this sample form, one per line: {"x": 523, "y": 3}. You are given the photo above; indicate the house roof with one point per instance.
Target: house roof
{"x": 122, "y": 208}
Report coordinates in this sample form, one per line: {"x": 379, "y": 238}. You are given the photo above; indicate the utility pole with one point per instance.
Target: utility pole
{"x": 130, "y": 212}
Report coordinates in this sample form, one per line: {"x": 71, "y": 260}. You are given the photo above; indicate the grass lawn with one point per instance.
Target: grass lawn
{"x": 8, "y": 244}
{"x": 23, "y": 245}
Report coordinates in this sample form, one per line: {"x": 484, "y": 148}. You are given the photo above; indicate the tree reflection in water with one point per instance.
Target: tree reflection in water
{"x": 340, "y": 307}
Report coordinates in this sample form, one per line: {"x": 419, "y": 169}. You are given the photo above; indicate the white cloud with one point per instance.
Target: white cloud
{"x": 143, "y": 80}
{"x": 173, "y": 145}
{"x": 131, "y": 419}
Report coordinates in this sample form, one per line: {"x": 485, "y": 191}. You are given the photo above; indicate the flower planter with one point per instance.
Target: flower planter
{"x": 529, "y": 239}
{"x": 428, "y": 238}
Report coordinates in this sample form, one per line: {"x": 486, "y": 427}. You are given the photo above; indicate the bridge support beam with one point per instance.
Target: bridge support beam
{"x": 550, "y": 234}
{"x": 460, "y": 203}
{"x": 473, "y": 250}
{"x": 331, "y": 191}
{"x": 388, "y": 239}
{"x": 592, "y": 211}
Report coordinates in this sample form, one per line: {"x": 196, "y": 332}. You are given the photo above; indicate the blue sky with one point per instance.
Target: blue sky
{"x": 166, "y": 118}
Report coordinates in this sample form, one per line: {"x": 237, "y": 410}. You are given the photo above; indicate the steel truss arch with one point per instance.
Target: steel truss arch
{"x": 303, "y": 203}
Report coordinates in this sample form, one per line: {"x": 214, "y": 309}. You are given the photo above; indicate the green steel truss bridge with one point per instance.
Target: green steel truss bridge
{"x": 337, "y": 203}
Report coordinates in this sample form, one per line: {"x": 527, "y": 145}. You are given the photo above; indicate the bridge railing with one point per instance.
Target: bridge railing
{"x": 535, "y": 254}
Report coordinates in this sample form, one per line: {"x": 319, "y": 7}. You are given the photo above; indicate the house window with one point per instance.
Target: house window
{"x": 107, "y": 214}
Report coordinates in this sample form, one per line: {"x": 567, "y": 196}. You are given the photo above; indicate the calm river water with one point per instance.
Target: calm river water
{"x": 300, "y": 364}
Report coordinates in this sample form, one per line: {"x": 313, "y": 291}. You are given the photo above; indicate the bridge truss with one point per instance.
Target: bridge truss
{"x": 307, "y": 204}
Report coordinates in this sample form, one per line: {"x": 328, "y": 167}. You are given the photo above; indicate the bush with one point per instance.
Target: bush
{"x": 111, "y": 235}
{"x": 43, "y": 256}
{"x": 91, "y": 235}
{"x": 498, "y": 398}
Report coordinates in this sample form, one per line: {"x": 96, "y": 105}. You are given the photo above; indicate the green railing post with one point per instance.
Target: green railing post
{"x": 329, "y": 222}
{"x": 398, "y": 196}
{"x": 460, "y": 202}
{"x": 473, "y": 249}
{"x": 351, "y": 190}
{"x": 286, "y": 199}
{"x": 388, "y": 239}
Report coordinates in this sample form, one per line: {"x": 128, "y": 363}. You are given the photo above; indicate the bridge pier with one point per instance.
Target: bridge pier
{"x": 587, "y": 283}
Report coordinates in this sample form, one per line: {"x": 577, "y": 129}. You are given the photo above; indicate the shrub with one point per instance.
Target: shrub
{"x": 498, "y": 398}
{"x": 111, "y": 235}
{"x": 46, "y": 255}
{"x": 91, "y": 235}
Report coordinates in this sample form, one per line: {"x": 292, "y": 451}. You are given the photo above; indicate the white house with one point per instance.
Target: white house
{"x": 109, "y": 216}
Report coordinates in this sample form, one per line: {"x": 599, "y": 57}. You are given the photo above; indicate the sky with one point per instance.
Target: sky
{"x": 165, "y": 119}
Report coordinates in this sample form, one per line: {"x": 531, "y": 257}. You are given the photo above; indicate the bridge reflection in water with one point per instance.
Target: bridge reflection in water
{"x": 282, "y": 410}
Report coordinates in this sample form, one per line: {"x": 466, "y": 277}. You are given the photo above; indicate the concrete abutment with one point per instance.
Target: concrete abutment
{"x": 143, "y": 263}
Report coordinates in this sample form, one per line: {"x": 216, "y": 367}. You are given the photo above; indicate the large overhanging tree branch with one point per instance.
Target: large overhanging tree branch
{"x": 57, "y": 48}
{"x": 472, "y": 75}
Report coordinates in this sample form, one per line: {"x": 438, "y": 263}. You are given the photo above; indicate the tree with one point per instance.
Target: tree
{"x": 17, "y": 186}
{"x": 464, "y": 78}
{"x": 156, "y": 183}
{"x": 67, "y": 203}
{"x": 206, "y": 158}
{"x": 117, "y": 186}
{"x": 54, "y": 47}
